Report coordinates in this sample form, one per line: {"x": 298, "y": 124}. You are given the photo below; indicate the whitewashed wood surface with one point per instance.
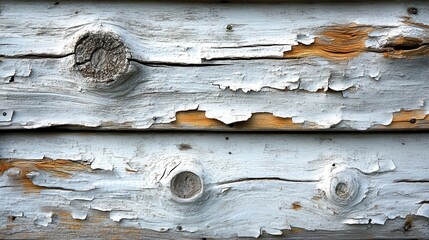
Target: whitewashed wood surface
{"x": 253, "y": 184}
{"x": 227, "y": 60}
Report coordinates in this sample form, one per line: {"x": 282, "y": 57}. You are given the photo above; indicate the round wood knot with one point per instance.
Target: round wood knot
{"x": 186, "y": 186}
{"x": 346, "y": 187}
{"x": 101, "y": 56}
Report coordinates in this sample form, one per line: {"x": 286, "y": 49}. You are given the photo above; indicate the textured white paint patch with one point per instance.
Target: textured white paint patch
{"x": 244, "y": 52}
{"x": 184, "y": 57}
{"x": 9, "y": 69}
{"x": 386, "y": 165}
{"x": 81, "y": 215}
{"x": 43, "y": 219}
{"x": 424, "y": 210}
{"x": 103, "y": 164}
{"x": 155, "y": 94}
{"x": 117, "y": 216}
{"x": 335, "y": 181}
{"x": 6, "y": 115}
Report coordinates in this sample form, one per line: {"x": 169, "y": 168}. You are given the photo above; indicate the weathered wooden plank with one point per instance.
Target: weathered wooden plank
{"x": 214, "y": 185}
{"x": 323, "y": 66}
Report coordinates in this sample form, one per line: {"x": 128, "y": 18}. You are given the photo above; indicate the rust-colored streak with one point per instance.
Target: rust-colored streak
{"x": 410, "y": 119}
{"x": 58, "y": 168}
{"x": 338, "y": 43}
{"x": 258, "y": 121}
{"x": 197, "y": 119}
{"x": 296, "y": 206}
{"x": 267, "y": 121}
{"x": 408, "y": 223}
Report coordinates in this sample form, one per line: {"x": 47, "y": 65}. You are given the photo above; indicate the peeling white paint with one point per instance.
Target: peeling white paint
{"x": 6, "y": 115}
{"x": 247, "y": 77}
{"x": 81, "y": 215}
{"x": 117, "y": 216}
{"x": 423, "y": 210}
{"x": 43, "y": 219}
{"x": 238, "y": 199}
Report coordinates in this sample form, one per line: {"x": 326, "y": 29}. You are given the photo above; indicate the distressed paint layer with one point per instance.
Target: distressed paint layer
{"x": 338, "y": 43}
{"x": 336, "y": 75}
{"x": 286, "y": 182}
{"x": 194, "y": 120}
{"x": 367, "y": 97}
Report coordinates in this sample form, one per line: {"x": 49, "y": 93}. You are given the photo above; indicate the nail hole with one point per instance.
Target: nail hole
{"x": 4, "y": 114}
{"x": 370, "y": 221}
{"x": 186, "y": 185}
{"x": 76, "y": 12}
{"x": 229, "y": 27}
{"x": 12, "y": 79}
{"x": 342, "y": 190}
{"x": 179, "y": 228}
{"x": 333, "y": 164}
{"x": 413, "y": 120}
{"x": 226, "y": 138}
{"x": 56, "y": 3}
{"x": 229, "y": 153}
{"x": 412, "y": 10}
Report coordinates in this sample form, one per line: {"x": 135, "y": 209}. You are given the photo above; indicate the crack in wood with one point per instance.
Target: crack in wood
{"x": 265, "y": 179}
{"x": 37, "y": 56}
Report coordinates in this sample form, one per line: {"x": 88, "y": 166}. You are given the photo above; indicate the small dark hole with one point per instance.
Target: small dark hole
{"x": 370, "y": 221}
{"x": 412, "y": 10}
{"x": 413, "y": 120}
{"x": 203, "y": 238}
{"x": 154, "y": 118}
{"x": 56, "y": 3}
{"x": 12, "y": 79}
{"x": 13, "y": 218}
{"x": 4, "y": 114}
{"x": 179, "y": 228}
{"x": 229, "y": 27}
{"x": 230, "y": 153}
{"x": 76, "y": 12}
{"x": 226, "y": 138}
{"x": 333, "y": 164}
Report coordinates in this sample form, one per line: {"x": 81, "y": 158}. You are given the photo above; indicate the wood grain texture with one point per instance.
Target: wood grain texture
{"x": 218, "y": 66}
{"x": 367, "y": 185}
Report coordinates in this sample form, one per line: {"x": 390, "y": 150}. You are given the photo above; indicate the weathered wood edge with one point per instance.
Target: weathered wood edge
{"x": 406, "y": 38}
{"x": 79, "y": 180}
{"x": 413, "y": 228}
{"x": 259, "y": 122}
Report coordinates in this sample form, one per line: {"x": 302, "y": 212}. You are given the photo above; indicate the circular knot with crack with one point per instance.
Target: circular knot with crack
{"x": 101, "y": 56}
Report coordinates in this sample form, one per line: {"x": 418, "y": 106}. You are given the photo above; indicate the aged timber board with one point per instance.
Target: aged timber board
{"x": 220, "y": 66}
{"x": 213, "y": 185}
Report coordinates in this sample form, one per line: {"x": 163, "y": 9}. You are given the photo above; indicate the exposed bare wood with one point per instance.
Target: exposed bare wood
{"x": 338, "y": 43}
{"x": 196, "y": 120}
